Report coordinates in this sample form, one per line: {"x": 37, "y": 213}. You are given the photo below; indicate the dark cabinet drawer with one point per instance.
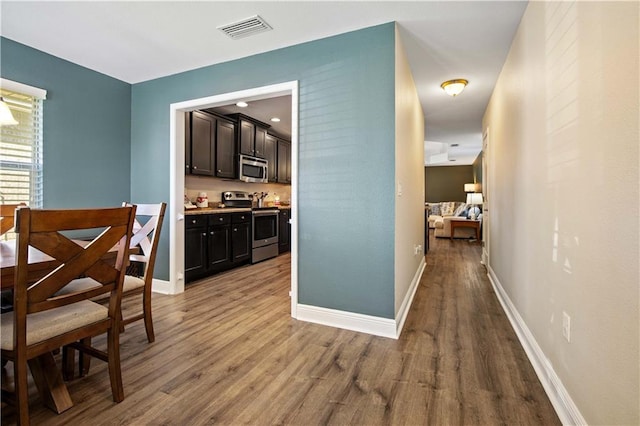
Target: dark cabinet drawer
{"x": 219, "y": 219}
{"x": 196, "y": 221}
{"x": 241, "y": 217}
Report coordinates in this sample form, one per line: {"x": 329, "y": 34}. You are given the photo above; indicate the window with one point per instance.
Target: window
{"x": 21, "y": 145}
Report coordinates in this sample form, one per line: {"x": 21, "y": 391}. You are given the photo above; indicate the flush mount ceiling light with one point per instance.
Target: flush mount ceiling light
{"x": 454, "y": 87}
{"x": 275, "y": 119}
{"x": 6, "y": 118}
{"x": 242, "y": 104}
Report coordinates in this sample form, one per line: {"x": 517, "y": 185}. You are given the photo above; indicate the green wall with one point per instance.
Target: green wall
{"x": 346, "y": 158}
{"x": 446, "y": 183}
{"x": 87, "y": 128}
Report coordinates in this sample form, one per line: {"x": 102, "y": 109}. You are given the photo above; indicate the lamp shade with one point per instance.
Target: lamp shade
{"x": 6, "y": 118}
{"x": 469, "y": 187}
{"x": 476, "y": 198}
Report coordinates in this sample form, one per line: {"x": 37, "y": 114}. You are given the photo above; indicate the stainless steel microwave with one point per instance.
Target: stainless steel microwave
{"x": 253, "y": 169}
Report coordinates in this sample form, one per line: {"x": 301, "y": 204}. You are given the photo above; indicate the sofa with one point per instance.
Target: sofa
{"x": 440, "y": 215}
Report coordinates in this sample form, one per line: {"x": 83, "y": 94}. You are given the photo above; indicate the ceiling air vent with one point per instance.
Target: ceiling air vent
{"x": 245, "y": 28}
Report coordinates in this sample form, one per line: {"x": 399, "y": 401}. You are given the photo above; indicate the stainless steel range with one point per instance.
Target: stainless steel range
{"x": 264, "y": 225}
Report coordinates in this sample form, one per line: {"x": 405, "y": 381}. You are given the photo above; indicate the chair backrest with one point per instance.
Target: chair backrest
{"x": 7, "y": 215}
{"x": 147, "y": 235}
{"x": 104, "y": 259}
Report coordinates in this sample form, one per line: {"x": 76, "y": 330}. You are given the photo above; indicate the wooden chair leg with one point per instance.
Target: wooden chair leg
{"x": 115, "y": 375}
{"x": 85, "y": 359}
{"x": 68, "y": 362}
{"x": 148, "y": 321}
{"x": 21, "y": 392}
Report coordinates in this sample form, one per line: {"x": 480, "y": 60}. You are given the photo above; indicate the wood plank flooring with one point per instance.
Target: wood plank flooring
{"x": 228, "y": 352}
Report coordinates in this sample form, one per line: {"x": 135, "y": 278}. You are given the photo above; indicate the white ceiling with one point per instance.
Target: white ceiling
{"x": 136, "y": 41}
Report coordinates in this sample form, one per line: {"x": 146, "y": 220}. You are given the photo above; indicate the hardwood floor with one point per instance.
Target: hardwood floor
{"x": 228, "y": 352}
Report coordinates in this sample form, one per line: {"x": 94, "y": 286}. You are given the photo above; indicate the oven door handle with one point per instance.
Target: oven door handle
{"x": 266, "y": 213}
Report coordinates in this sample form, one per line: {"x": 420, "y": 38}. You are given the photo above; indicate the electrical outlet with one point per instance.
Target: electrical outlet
{"x": 566, "y": 326}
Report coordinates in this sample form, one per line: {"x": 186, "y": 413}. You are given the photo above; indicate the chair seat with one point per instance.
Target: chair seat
{"x": 54, "y": 322}
{"x": 130, "y": 283}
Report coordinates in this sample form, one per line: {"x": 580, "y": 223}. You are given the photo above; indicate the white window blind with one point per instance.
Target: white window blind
{"x": 21, "y": 146}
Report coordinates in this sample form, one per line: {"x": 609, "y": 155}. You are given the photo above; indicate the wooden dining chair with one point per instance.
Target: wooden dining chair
{"x": 7, "y": 214}
{"x": 43, "y": 321}
{"x": 145, "y": 238}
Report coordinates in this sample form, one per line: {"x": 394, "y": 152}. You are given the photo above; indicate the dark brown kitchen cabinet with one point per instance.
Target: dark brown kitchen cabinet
{"x": 195, "y": 252}
{"x": 251, "y": 135}
{"x": 284, "y": 228}
{"x": 216, "y": 242}
{"x": 259, "y": 149}
{"x": 246, "y": 136}
{"x": 271, "y": 155}
{"x": 219, "y": 241}
{"x": 240, "y": 237}
{"x": 210, "y": 148}
{"x": 225, "y": 149}
{"x": 202, "y": 143}
{"x": 284, "y": 161}
{"x": 187, "y": 142}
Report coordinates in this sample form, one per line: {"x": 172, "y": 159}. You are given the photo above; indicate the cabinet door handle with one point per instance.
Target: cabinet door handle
{"x": 220, "y": 219}
{"x": 219, "y": 171}
{"x": 204, "y": 234}
{"x": 193, "y": 221}
{"x": 211, "y": 233}
{"x": 195, "y": 167}
{"x": 235, "y": 229}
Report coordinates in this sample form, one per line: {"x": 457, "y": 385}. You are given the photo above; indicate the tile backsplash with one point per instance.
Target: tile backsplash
{"x": 215, "y": 187}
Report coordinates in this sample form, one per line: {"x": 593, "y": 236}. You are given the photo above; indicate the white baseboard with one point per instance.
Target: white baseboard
{"x": 401, "y": 316}
{"x": 161, "y": 286}
{"x": 560, "y": 399}
{"x": 384, "y": 327}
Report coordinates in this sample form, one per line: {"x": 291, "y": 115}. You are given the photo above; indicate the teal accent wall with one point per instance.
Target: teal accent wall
{"x": 346, "y": 158}
{"x": 87, "y": 128}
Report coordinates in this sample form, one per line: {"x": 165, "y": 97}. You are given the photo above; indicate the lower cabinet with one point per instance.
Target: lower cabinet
{"x": 284, "y": 231}
{"x": 215, "y": 242}
{"x": 240, "y": 237}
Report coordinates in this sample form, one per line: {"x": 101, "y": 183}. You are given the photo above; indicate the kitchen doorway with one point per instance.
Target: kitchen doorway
{"x": 177, "y": 179}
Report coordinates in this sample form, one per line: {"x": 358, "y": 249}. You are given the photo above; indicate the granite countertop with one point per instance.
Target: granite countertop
{"x": 211, "y": 210}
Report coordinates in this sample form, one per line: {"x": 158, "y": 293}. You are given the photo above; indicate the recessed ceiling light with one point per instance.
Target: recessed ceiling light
{"x": 242, "y": 104}
{"x": 275, "y": 119}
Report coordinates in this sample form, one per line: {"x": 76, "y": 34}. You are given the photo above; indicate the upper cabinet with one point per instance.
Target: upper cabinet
{"x": 271, "y": 155}
{"x": 214, "y": 141}
{"x": 225, "y": 149}
{"x": 210, "y": 146}
{"x": 284, "y": 161}
{"x": 202, "y": 143}
{"x": 251, "y": 135}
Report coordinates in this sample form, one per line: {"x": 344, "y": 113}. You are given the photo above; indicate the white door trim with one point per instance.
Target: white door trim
{"x": 176, "y": 177}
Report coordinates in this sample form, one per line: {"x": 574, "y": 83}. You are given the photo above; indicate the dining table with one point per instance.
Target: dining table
{"x": 46, "y": 375}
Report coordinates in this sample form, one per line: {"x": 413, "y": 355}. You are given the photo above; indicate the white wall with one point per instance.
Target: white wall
{"x": 563, "y": 176}
{"x": 409, "y": 151}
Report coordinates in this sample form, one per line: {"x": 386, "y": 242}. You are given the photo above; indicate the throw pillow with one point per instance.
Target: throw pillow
{"x": 461, "y": 208}
{"x": 447, "y": 208}
{"x": 435, "y": 209}
{"x": 464, "y": 213}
